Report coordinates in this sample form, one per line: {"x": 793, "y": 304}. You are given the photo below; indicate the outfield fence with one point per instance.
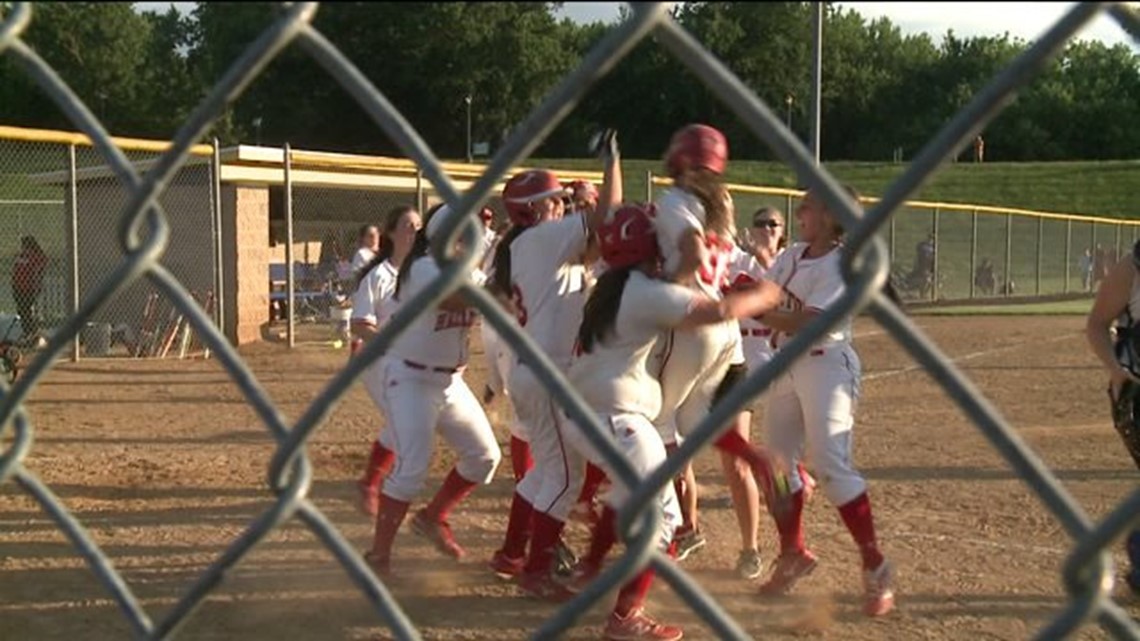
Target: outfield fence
{"x": 145, "y": 242}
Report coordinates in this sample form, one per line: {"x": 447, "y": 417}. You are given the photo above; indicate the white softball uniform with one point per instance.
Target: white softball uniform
{"x": 548, "y": 288}
{"x": 422, "y": 389}
{"x": 755, "y": 336}
{"x": 362, "y": 257}
{"x": 498, "y": 353}
{"x": 615, "y": 381}
{"x": 811, "y": 407}
{"x": 372, "y": 302}
{"x": 692, "y": 363}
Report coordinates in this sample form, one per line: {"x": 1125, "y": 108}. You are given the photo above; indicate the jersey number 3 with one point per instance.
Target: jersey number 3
{"x": 520, "y": 308}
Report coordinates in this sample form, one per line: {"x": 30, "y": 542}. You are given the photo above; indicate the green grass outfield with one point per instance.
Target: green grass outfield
{"x": 1089, "y": 188}
{"x": 1053, "y": 308}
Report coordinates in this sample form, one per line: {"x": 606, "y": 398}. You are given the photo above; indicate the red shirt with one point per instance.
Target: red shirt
{"x": 28, "y": 271}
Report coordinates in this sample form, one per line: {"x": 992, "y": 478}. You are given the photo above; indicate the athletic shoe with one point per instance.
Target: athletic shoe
{"x": 505, "y": 567}
{"x": 369, "y": 500}
{"x": 382, "y": 568}
{"x": 542, "y": 585}
{"x": 439, "y": 533}
{"x": 749, "y": 565}
{"x": 584, "y": 573}
{"x": 639, "y": 627}
{"x": 688, "y": 542}
{"x": 878, "y": 594}
{"x": 788, "y": 569}
{"x": 564, "y": 559}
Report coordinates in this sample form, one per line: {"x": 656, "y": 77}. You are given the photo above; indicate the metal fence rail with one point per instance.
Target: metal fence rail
{"x": 144, "y": 234}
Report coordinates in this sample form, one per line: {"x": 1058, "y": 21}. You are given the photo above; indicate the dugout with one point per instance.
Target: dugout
{"x": 333, "y": 194}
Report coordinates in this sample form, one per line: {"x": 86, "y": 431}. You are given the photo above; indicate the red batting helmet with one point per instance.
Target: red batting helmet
{"x": 582, "y": 189}
{"x": 524, "y": 189}
{"x": 697, "y": 147}
{"x": 628, "y": 237}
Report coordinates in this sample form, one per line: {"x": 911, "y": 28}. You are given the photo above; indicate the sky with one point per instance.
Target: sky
{"x": 1027, "y": 20}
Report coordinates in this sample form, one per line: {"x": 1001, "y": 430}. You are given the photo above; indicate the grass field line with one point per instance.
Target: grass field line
{"x": 971, "y": 356}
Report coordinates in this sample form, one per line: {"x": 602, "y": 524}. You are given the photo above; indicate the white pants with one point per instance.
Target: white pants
{"x": 500, "y": 357}
{"x": 692, "y": 365}
{"x": 640, "y": 444}
{"x": 552, "y": 485}
{"x": 416, "y": 403}
{"x": 811, "y": 412}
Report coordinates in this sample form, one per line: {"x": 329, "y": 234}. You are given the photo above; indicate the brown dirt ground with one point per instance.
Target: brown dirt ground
{"x": 165, "y": 464}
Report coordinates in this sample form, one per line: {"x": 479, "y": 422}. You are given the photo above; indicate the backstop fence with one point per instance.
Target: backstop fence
{"x": 145, "y": 244}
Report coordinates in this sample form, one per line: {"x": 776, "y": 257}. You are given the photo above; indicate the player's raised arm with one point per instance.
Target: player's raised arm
{"x": 605, "y": 146}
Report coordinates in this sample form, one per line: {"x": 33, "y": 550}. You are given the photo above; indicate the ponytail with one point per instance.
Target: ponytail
{"x": 710, "y": 190}
{"x": 420, "y": 247}
{"x": 600, "y": 313}
{"x": 501, "y": 265}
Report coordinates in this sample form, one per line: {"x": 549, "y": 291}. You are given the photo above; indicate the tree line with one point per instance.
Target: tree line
{"x": 142, "y": 73}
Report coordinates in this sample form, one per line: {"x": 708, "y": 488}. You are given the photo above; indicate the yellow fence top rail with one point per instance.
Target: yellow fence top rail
{"x": 26, "y": 134}
{"x": 927, "y": 204}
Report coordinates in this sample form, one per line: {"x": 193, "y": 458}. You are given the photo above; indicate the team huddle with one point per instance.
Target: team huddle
{"x": 653, "y": 312}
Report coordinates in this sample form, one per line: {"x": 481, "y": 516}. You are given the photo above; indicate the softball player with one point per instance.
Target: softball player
{"x": 626, "y": 314}
{"x": 694, "y": 232}
{"x": 371, "y": 307}
{"x": 540, "y": 263}
{"x": 811, "y": 408}
{"x": 421, "y": 378}
{"x": 1118, "y": 300}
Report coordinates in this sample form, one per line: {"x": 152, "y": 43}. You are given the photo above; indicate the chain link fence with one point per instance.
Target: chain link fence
{"x": 147, "y": 243}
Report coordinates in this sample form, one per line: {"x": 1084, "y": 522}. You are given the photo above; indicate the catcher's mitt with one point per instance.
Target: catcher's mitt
{"x": 1124, "y": 417}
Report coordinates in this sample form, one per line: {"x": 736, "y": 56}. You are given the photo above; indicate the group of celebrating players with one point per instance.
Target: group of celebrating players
{"x": 653, "y": 312}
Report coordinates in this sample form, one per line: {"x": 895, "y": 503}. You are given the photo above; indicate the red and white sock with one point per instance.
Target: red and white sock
{"x": 388, "y": 519}
{"x": 857, "y": 517}
{"x": 455, "y": 488}
{"x": 521, "y": 461}
{"x": 380, "y": 461}
{"x": 518, "y": 528}
{"x": 544, "y": 538}
{"x": 791, "y": 525}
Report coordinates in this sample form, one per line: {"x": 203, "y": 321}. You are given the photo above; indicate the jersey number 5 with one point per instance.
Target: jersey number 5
{"x": 520, "y": 308}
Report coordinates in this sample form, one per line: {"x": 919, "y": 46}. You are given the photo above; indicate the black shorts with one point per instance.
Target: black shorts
{"x": 734, "y": 376}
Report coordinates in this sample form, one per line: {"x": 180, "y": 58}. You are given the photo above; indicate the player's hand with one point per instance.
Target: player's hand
{"x": 604, "y": 144}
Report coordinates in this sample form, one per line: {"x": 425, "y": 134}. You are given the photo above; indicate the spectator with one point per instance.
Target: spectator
{"x": 1100, "y": 265}
{"x": 984, "y": 279}
{"x": 1085, "y": 266}
{"x": 27, "y": 283}
{"x": 368, "y": 243}
{"x": 979, "y": 149}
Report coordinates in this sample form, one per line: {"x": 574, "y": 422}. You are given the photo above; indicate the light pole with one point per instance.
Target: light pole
{"x": 467, "y": 99}
{"x": 257, "y": 129}
{"x": 788, "y": 101}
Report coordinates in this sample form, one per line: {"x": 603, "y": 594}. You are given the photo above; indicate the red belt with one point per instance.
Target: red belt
{"x": 756, "y": 332}
{"x": 442, "y": 370}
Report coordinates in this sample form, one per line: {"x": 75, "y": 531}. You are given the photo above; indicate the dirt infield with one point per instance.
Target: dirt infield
{"x": 166, "y": 465}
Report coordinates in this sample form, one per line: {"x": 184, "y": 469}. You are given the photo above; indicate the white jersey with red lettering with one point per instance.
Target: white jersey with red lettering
{"x": 692, "y": 363}
{"x": 810, "y": 283}
{"x": 436, "y": 339}
{"x": 548, "y": 288}
{"x": 755, "y": 336}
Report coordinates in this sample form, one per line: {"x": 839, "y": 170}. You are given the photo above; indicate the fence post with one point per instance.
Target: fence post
{"x": 1008, "y": 276}
{"x": 973, "y": 249}
{"x": 648, "y": 186}
{"x": 290, "y": 284}
{"x": 1068, "y": 252}
{"x": 937, "y": 250}
{"x": 420, "y": 205}
{"x": 1040, "y": 251}
{"x": 220, "y": 256}
{"x": 73, "y": 241}
{"x": 890, "y": 235}
{"x": 1117, "y": 240}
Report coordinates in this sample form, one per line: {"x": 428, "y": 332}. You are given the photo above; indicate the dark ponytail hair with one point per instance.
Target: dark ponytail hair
{"x": 420, "y": 247}
{"x": 501, "y": 265}
{"x": 600, "y": 313}
{"x": 386, "y": 247}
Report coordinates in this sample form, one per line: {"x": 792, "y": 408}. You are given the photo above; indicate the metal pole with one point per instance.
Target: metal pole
{"x": 648, "y": 186}
{"x": 419, "y": 190}
{"x": 73, "y": 241}
{"x": 1068, "y": 251}
{"x": 1117, "y": 240}
{"x": 890, "y": 239}
{"x": 816, "y": 75}
{"x": 1008, "y": 253}
{"x": 290, "y": 284}
{"x": 1040, "y": 252}
{"x": 934, "y": 274}
{"x": 220, "y": 256}
{"x": 470, "y": 156}
{"x": 973, "y": 250}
